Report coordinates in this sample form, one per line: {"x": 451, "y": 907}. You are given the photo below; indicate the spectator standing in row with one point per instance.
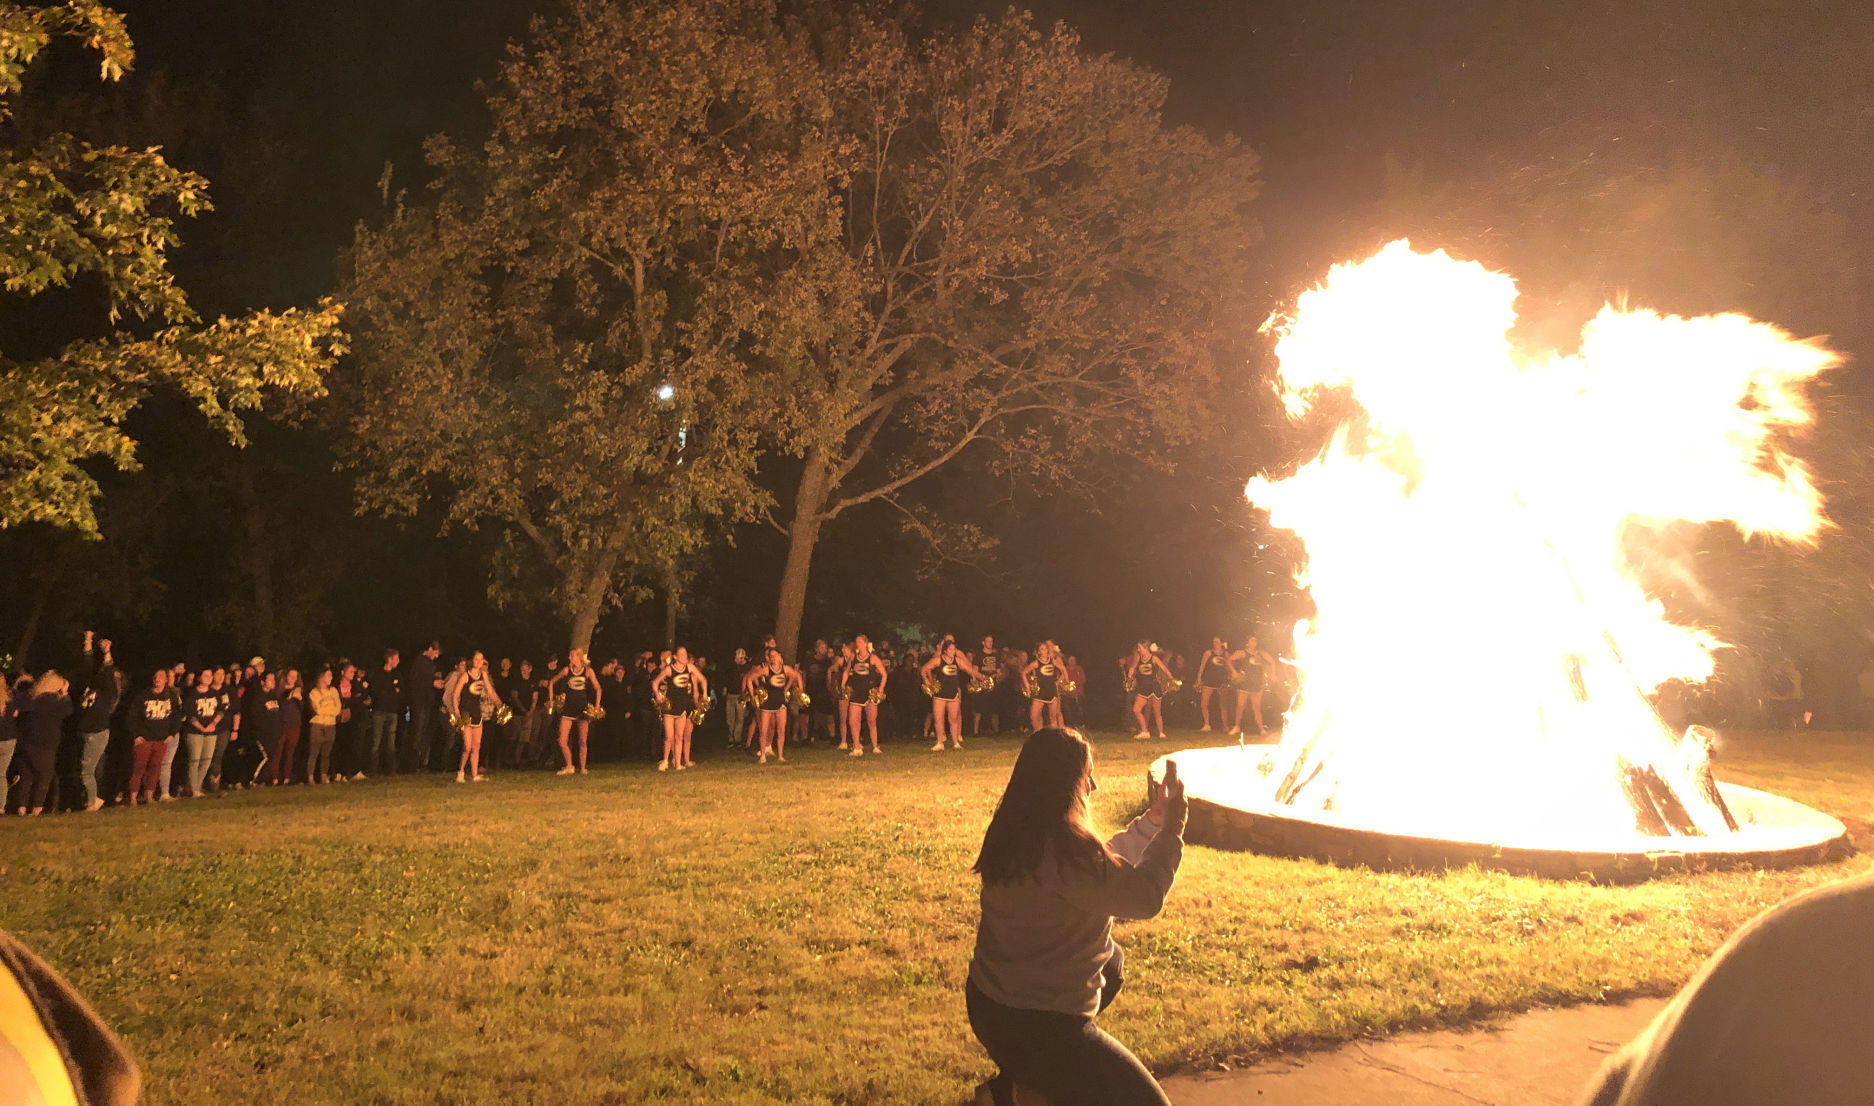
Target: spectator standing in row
{"x": 386, "y": 697}
{"x": 201, "y": 718}
{"x": 10, "y": 722}
{"x": 38, "y": 749}
{"x": 174, "y": 688}
{"x": 347, "y": 753}
{"x": 420, "y": 682}
{"x": 95, "y": 707}
{"x": 292, "y": 695}
{"x": 152, "y": 721}
{"x": 524, "y": 697}
{"x": 324, "y": 703}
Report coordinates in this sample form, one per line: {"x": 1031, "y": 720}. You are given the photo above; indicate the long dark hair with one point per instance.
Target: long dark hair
{"x": 1044, "y": 804}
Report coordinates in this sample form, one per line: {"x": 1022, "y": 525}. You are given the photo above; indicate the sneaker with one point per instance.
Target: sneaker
{"x": 1141, "y": 736}
{"x": 359, "y": 776}
{"x": 166, "y": 798}
{"x": 583, "y": 772}
{"x": 664, "y": 765}
{"x": 566, "y": 771}
{"x": 681, "y": 767}
{"x": 937, "y": 748}
{"x": 779, "y": 759}
{"x": 763, "y": 759}
{"x": 459, "y": 778}
{"x": 94, "y": 806}
{"x": 1205, "y": 729}
{"x": 1235, "y": 731}
{"x": 856, "y": 752}
{"x": 876, "y": 750}
{"x": 479, "y": 779}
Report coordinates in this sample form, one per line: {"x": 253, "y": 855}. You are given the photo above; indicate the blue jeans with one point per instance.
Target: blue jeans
{"x": 380, "y": 751}
{"x": 92, "y": 762}
{"x": 1064, "y": 1056}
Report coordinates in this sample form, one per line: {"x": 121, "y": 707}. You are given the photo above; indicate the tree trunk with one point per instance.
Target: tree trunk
{"x": 673, "y": 604}
{"x": 259, "y": 562}
{"x": 28, "y": 633}
{"x": 809, "y": 501}
{"x": 591, "y": 592}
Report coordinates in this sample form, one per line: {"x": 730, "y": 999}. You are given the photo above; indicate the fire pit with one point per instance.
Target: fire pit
{"x": 1232, "y": 808}
{"x": 1476, "y": 680}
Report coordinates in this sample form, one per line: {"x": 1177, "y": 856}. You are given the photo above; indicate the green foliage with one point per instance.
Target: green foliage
{"x": 70, "y": 211}
{"x": 619, "y": 231}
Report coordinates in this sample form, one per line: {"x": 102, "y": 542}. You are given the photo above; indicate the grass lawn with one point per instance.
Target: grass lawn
{"x": 795, "y": 933}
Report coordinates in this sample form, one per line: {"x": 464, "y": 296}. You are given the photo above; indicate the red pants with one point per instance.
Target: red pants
{"x": 283, "y": 760}
{"x": 145, "y": 767}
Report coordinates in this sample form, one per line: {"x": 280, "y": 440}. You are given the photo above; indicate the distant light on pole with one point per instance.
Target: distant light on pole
{"x": 665, "y": 394}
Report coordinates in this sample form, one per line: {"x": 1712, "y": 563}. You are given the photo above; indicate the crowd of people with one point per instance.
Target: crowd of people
{"x": 87, "y": 734}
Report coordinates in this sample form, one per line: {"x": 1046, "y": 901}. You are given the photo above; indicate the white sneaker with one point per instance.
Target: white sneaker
{"x": 856, "y": 752}
{"x": 937, "y": 748}
{"x": 459, "y": 778}
{"x": 566, "y": 771}
{"x": 359, "y": 776}
{"x": 1141, "y": 736}
{"x": 479, "y": 779}
{"x": 763, "y": 760}
{"x": 663, "y": 766}
{"x": 1206, "y": 728}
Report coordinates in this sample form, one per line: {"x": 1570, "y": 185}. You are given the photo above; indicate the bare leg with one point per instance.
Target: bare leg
{"x": 670, "y": 741}
{"x": 764, "y": 725}
{"x": 935, "y": 724}
{"x": 1055, "y": 718}
{"x": 584, "y": 729}
{"x": 1255, "y": 706}
{"x": 871, "y": 720}
{"x": 1236, "y": 723}
{"x": 685, "y": 728}
{"x": 849, "y": 727}
{"x": 780, "y": 738}
{"x": 1158, "y": 714}
{"x": 1037, "y": 713}
{"x": 955, "y": 714}
{"x": 566, "y": 751}
{"x": 1203, "y": 707}
{"x": 1138, "y": 714}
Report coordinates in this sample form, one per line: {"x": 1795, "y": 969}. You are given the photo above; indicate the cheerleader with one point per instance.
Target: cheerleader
{"x": 580, "y": 693}
{"x": 472, "y": 700}
{"x": 1042, "y": 681}
{"x": 678, "y": 689}
{"x": 1148, "y": 679}
{"x": 1216, "y": 675}
{"x": 943, "y": 676}
{"x": 862, "y": 687}
{"x": 1252, "y": 666}
{"x": 768, "y": 687}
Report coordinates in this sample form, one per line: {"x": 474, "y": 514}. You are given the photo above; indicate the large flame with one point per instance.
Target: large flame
{"x": 1480, "y": 661}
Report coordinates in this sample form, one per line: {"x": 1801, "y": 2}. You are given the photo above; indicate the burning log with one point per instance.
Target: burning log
{"x": 1657, "y": 809}
{"x": 1702, "y": 741}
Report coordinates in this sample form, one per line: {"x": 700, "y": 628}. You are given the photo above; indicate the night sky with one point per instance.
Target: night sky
{"x": 293, "y": 108}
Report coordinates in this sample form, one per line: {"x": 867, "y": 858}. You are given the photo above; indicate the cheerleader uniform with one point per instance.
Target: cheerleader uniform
{"x": 949, "y": 681}
{"x": 578, "y": 694}
{"x": 1251, "y": 675}
{"x": 1214, "y": 673}
{"x": 772, "y": 690}
{"x": 1148, "y": 679}
{"x": 470, "y": 700}
{"x": 679, "y": 693}
{"x": 1047, "y": 682}
{"x": 862, "y": 678}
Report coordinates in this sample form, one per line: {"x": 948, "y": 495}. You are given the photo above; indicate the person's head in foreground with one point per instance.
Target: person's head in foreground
{"x": 53, "y": 1048}
{"x": 1781, "y": 1014}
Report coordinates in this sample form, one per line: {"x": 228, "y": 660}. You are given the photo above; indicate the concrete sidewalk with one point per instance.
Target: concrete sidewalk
{"x": 1542, "y": 1058}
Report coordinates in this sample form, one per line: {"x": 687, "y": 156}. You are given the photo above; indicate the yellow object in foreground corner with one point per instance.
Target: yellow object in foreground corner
{"x": 31, "y": 1065}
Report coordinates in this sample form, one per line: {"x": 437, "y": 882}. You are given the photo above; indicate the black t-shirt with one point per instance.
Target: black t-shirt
{"x": 98, "y": 701}
{"x": 419, "y": 683}
{"x": 45, "y": 717}
{"x": 199, "y": 710}
{"x": 387, "y": 691}
{"x": 153, "y": 716}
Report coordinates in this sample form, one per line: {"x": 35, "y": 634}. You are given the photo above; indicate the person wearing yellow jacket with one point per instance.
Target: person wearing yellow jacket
{"x": 324, "y": 702}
